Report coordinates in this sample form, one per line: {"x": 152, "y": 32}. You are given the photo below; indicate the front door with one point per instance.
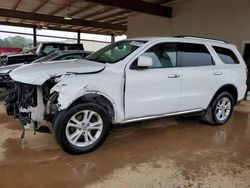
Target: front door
{"x": 154, "y": 90}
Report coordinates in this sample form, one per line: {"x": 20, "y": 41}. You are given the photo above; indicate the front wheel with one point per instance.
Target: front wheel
{"x": 220, "y": 110}
{"x": 82, "y": 128}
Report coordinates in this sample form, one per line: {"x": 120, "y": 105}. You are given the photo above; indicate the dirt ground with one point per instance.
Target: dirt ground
{"x": 174, "y": 153}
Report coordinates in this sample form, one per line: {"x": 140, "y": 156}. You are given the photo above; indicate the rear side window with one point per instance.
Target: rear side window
{"x": 191, "y": 55}
{"x": 226, "y": 55}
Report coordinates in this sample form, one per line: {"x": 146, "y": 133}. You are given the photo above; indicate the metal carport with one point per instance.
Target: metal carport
{"x": 85, "y": 16}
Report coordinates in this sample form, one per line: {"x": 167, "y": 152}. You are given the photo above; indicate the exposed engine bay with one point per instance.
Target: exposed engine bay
{"x": 32, "y": 104}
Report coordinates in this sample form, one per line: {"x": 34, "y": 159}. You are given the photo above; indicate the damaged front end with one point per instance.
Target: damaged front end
{"x": 23, "y": 96}
{"x": 32, "y": 100}
{"x": 32, "y": 104}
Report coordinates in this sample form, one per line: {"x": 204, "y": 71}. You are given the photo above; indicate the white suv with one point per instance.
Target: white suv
{"x": 128, "y": 81}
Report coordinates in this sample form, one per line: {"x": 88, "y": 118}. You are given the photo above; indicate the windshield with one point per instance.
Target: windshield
{"x": 115, "y": 52}
{"x": 48, "y": 57}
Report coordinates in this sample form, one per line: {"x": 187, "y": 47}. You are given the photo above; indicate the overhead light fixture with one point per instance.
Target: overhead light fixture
{"x": 42, "y": 26}
{"x": 67, "y": 15}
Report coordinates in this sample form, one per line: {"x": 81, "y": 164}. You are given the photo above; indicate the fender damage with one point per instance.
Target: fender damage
{"x": 85, "y": 90}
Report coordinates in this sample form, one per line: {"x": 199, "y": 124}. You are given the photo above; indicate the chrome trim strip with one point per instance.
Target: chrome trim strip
{"x": 160, "y": 116}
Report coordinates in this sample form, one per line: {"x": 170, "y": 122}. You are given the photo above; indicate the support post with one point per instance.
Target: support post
{"x": 112, "y": 38}
{"x": 78, "y": 37}
{"x": 34, "y": 36}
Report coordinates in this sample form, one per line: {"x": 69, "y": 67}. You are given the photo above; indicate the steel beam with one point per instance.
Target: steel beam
{"x": 138, "y": 6}
{"x": 59, "y": 20}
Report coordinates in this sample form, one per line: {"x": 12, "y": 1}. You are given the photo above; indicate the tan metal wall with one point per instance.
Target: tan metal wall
{"x": 223, "y": 19}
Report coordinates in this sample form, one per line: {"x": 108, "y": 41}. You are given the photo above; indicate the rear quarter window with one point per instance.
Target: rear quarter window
{"x": 226, "y": 55}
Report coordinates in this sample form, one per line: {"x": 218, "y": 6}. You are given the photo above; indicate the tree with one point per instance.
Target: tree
{"x": 15, "y": 42}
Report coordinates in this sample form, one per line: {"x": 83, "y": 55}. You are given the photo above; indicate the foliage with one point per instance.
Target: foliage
{"x": 15, "y": 42}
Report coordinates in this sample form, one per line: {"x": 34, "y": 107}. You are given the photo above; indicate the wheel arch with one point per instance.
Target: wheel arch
{"x": 230, "y": 88}
{"x": 99, "y": 98}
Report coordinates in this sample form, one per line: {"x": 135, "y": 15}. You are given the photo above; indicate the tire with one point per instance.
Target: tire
{"x": 214, "y": 114}
{"x": 77, "y": 135}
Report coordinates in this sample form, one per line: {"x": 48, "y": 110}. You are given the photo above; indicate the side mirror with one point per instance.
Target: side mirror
{"x": 144, "y": 62}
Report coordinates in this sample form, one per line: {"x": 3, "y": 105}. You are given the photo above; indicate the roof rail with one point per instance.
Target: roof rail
{"x": 197, "y": 37}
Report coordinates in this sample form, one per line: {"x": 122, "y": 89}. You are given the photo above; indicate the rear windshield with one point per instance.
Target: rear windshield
{"x": 47, "y": 57}
{"x": 226, "y": 55}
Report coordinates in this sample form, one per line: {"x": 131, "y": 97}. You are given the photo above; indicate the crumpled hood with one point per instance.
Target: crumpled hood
{"x": 8, "y": 68}
{"x": 38, "y": 73}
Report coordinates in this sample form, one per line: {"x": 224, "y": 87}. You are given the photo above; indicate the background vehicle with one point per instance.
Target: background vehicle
{"x": 9, "y": 50}
{"x": 19, "y": 58}
{"x": 128, "y": 81}
{"x": 2, "y": 57}
{"x": 64, "y": 55}
{"x": 41, "y": 50}
{"x": 5, "y": 80}
{"x": 44, "y": 49}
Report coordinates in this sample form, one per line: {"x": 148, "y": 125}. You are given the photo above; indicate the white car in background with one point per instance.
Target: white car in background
{"x": 130, "y": 80}
{"x": 61, "y": 56}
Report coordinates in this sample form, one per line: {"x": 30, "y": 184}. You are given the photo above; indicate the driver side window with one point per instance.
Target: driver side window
{"x": 164, "y": 55}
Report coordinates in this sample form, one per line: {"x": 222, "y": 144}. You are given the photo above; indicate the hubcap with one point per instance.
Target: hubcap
{"x": 223, "y": 109}
{"x": 84, "y": 128}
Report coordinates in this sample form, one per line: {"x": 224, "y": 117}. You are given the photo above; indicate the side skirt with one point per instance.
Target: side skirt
{"x": 162, "y": 116}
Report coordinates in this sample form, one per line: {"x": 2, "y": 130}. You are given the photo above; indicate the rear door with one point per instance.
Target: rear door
{"x": 201, "y": 78}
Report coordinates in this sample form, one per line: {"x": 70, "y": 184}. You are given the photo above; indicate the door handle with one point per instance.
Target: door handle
{"x": 218, "y": 73}
{"x": 174, "y": 76}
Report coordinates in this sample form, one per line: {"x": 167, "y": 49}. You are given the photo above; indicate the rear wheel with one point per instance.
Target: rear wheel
{"x": 220, "y": 110}
{"x": 82, "y": 128}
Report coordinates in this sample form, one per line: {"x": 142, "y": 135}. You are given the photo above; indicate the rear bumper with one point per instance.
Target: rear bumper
{"x": 241, "y": 92}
